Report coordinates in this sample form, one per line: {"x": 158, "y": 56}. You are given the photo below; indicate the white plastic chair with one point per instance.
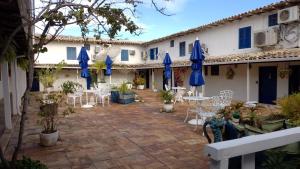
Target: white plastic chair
{"x": 77, "y": 94}
{"x": 103, "y": 94}
{"x": 179, "y": 95}
{"x": 167, "y": 87}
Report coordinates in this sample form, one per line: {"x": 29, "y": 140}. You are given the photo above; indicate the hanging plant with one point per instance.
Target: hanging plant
{"x": 283, "y": 73}
{"x": 230, "y": 73}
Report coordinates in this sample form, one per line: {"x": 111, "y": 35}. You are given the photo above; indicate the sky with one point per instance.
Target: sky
{"x": 186, "y": 14}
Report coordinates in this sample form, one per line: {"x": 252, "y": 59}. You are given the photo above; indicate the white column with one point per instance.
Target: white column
{"x": 248, "y": 161}
{"x": 223, "y": 164}
{"x": 6, "y": 96}
{"x": 14, "y": 87}
{"x": 248, "y": 81}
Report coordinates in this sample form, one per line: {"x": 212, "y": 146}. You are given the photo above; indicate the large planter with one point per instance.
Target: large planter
{"x": 114, "y": 96}
{"x": 168, "y": 107}
{"x": 140, "y": 87}
{"x": 126, "y": 98}
{"x": 48, "y": 139}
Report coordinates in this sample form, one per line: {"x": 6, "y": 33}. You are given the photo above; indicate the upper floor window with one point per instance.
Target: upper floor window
{"x": 190, "y": 48}
{"x": 172, "y": 42}
{"x": 182, "y": 49}
{"x": 71, "y": 53}
{"x": 245, "y": 37}
{"x": 124, "y": 55}
{"x": 153, "y": 53}
{"x": 272, "y": 20}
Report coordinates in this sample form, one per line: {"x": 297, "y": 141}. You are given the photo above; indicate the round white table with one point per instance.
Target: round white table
{"x": 198, "y": 99}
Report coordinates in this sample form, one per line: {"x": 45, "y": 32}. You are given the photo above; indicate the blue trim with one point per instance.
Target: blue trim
{"x": 124, "y": 55}
{"x": 245, "y": 37}
{"x": 153, "y": 53}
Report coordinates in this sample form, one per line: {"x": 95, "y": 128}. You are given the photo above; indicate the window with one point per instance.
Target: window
{"x": 172, "y": 43}
{"x": 182, "y": 49}
{"x": 215, "y": 70}
{"x": 190, "y": 48}
{"x": 245, "y": 37}
{"x": 124, "y": 55}
{"x": 153, "y": 53}
{"x": 71, "y": 53}
{"x": 272, "y": 20}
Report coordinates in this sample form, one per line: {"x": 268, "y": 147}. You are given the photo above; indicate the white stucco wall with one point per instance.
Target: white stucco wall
{"x": 57, "y": 51}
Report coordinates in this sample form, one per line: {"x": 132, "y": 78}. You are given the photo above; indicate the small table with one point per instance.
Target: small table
{"x": 87, "y": 105}
{"x": 198, "y": 99}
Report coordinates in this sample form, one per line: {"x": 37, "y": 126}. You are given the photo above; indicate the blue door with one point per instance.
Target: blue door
{"x": 267, "y": 84}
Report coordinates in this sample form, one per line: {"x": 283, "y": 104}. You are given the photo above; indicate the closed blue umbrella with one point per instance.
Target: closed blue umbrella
{"x": 167, "y": 62}
{"x": 83, "y": 59}
{"x": 197, "y": 57}
{"x": 108, "y": 63}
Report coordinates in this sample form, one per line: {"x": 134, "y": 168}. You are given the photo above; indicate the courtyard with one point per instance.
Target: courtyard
{"x": 118, "y": 136}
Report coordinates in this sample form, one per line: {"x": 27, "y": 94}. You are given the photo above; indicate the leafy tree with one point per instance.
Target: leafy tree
{"x": 52, "y": 17}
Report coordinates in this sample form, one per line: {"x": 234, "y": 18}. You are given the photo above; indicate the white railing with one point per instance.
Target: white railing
{"x": 247, "y": 146}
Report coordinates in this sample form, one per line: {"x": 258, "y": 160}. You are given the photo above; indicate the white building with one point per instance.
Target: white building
{"x": 256, "y": 54}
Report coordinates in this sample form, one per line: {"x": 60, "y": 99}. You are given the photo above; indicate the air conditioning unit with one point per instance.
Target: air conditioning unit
{"x": 97, "y": 49}
{"x": 131, "y": 52}
{"x": 288, "y": 14}
{"x": 267, "y": 37}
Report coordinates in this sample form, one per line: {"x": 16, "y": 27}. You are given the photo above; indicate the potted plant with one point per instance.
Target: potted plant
{"x": 167, "y": 97}
{"x": 49, "y": 117}
{"x": 99, "y": 65}
{"x": 140, "y": 82}
{"x": 126, "y": 96}
{"x": 47, "y": 76}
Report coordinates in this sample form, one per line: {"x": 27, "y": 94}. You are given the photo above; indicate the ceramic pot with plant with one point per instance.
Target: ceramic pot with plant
{"x": 140, "y": 82}
{"x": 49, "y": 117}
{"x": 167, "y": 98}
{"x": 48, "y": 113}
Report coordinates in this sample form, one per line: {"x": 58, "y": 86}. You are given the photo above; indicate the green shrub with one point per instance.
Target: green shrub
{"x": 27, "y": 163}
{"x": 290, "y": 107}
{"x": 69, "y": 87}
{"x": 123, "y": 89}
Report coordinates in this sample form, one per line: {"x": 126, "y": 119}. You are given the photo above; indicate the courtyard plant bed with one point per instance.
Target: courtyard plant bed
{"x": 126, "y": 96}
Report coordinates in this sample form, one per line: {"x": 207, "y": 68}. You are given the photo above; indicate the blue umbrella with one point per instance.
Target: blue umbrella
{"x": 83, "y": 59}
{"x": 197, "y": 57}
{"x": 167, "y": 62}
{"x": 108, "y": 63}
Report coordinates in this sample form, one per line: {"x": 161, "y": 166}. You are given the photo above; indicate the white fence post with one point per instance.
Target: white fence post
{"x": 222, "y": 164}
{"x": 248, "y": 161}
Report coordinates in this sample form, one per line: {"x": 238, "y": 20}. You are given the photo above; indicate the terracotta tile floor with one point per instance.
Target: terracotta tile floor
{"x": 120, "y": 136}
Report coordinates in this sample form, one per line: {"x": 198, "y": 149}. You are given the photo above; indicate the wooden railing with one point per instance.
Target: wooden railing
{"x": 247, "y": 146}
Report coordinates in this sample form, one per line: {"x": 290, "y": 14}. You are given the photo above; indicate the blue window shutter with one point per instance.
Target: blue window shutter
{"x": 182, "y": 49}
{"x": 71, "y": 53}
{"x": 272, "y": 20}
{"x": 156, "y": 53}
{"x": 124, "y": 55}
{"x": 152, "y": 54}
{"x": 245, "y": 37}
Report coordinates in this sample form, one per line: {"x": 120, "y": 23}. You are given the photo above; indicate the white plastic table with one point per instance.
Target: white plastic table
{"x": 198, "y": 99}
{"x": 87, "y": 105}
